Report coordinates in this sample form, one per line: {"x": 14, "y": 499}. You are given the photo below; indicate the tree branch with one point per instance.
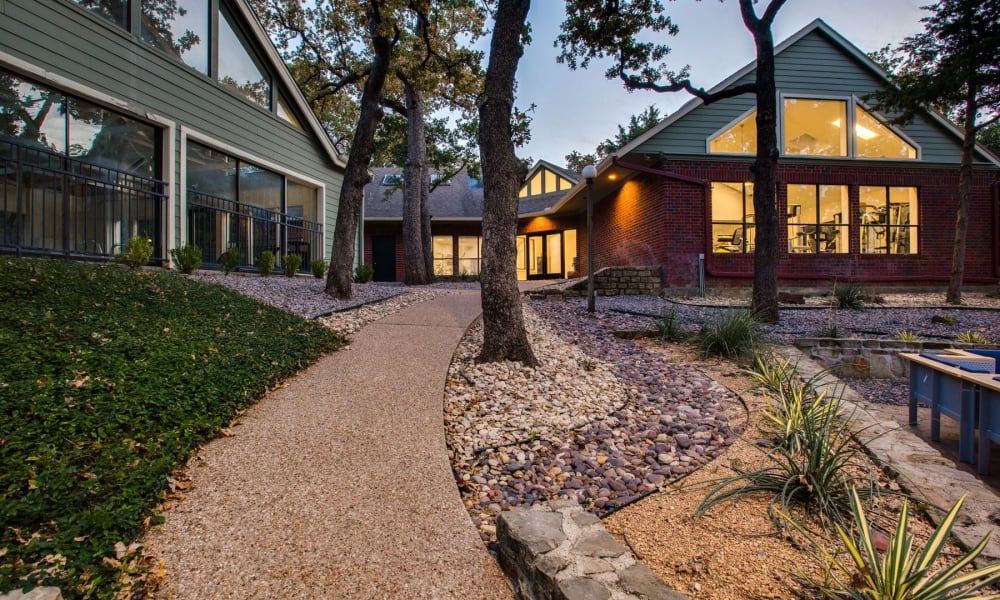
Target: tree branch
{"x": 633, "y": 82}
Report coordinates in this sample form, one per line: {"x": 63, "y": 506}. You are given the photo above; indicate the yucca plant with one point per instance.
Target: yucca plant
{"x": 797, "y": 413}
{"x": 850, "y": 296}
{"x": 905, "y": 335}
{"x": 770, "y": 371}
{"x": 668, "y": 326}
{"x": 971, "y": 337}
{"x": 734, "y": 334}
{"x": 904, "y": 572}
{"x": 817, "y": 476}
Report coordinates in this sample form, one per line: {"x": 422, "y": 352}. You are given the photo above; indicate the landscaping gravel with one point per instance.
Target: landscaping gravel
{"x": 303, "y": 296}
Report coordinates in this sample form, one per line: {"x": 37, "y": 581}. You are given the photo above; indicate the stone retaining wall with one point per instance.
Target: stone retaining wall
{"x": 878, "y": 359}
{"x": 561, "y": 552}
{"x": 621, "y": 281}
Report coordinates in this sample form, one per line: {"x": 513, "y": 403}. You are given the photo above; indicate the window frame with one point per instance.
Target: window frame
{"x": 853, "y": 101}
{"x": 843, "y": 226}
{"x": 746, "y": 225}
{"x": 913, "y": 228}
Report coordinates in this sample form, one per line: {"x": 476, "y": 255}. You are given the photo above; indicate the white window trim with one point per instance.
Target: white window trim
{"x": 885, "y": 123}
{"x": 849, "y": 118}
{"x": 190, "y": 134}
{"x": 167, "y": 147}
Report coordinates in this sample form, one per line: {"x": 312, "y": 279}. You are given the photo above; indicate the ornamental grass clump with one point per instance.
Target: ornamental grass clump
{"x": 291, "y": 264}
{"x": 771, "y": 372}
{"x": 904, "y": 572}
{"x": 318, "y": 267}
{"x": 187, "y": 258}
{"x": 734, "y": 334}
{"x": 971, "y": 337}
{"x": 668, "y": 326}
{"x": 851, "y": 296}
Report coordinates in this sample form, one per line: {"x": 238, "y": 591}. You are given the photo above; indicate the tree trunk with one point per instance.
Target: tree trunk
{"x": 504, "y": 336}
{"x": 425, "y": 228}
{"x": 338, "y": 278}
{"x": 954, "y": 294}
{"x": 414, "y": 188}
{"x": 764, "y": 167}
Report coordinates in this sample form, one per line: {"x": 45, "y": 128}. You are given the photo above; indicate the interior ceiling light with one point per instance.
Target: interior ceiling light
{"x": 862, "y": 131}
{"x": 612, "y": 177}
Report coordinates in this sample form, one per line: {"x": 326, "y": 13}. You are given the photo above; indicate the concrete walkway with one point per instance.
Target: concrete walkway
{"x": 338, "y": 485}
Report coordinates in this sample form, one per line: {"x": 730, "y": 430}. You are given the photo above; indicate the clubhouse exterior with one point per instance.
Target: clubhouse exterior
{"x": 175, "y": 121}
{"x": 859, "y": 199}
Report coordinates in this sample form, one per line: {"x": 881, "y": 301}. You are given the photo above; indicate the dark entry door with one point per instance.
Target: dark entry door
{"x": 384, "y": 257}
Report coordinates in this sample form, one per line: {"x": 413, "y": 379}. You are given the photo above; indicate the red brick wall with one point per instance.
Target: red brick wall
{"x": 655, "y": 220}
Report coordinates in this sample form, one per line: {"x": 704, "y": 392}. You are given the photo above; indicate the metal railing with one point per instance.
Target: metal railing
{"x": 216, "y": 224}
{"x": 51, "y": 203}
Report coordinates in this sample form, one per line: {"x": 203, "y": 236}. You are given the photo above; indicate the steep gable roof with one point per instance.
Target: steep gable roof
{"x": 458, "y": 201}
{"x": 270, "y": 53}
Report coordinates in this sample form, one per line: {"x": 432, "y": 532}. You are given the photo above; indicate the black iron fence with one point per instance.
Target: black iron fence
{"x": 216, "y": 224}
{"x": 54, "y": 204}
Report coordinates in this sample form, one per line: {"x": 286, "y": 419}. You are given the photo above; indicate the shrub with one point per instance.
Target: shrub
{"x": 944, "y": 319}
{"x": 363, "y": 273}
{"x": 830, "y": 331}
{"x": 850, "y": 296}
{"x": 318, "y": 267}
{"x": 906, "y": 336}
{"x": 231, "y": 260}
{"x": 818, "y": 474}
{"x": 904, "y": 572}
{"x": 796, "y": 413}
{"x": 771, "y": 372}
{"x": 187, "y": 258}
{"x": 291, "y": 264}
{"x": 265, "y": 263}
{"x": 668, "y": 326}
{"x": 971, "y": 337}
{"x": 733, "y": 334}
{"x": 136, "y": 253}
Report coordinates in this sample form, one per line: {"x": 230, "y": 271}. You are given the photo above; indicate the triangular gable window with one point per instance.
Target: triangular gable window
{"x": 876, "y": 140}
{"x": 544, "y": 181}
{"x": 739, "y": 138}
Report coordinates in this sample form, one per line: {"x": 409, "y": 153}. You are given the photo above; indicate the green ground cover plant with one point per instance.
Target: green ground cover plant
{"x": 265, "y": 263}
{"x": 110, "y": 379}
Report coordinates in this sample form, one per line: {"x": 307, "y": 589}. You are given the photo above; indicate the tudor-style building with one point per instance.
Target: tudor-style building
{"x": 176, "y": 121}
{"x": 858, "y": 199}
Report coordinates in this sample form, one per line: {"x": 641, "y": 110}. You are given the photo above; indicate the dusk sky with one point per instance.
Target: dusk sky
{"x": 576, "y": 110}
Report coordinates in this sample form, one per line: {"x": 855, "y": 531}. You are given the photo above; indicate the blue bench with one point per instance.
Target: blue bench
{"x": 951, "y": 383}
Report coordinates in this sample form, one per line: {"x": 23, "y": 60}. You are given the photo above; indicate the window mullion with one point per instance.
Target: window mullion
{"x": 213, "y": 43}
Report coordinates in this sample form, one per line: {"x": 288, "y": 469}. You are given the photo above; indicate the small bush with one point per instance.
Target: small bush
{"x": 902, "y": 571}
{"x": 291, "y": 264}
{"x": 734, "y": 334}
{"x": 771, "y": 372}
{"x": 318, "y": 267}
{"x": 363, "y": 273}
{"x": 971, "y": 337}
{"x": 795, "y": 414}
{"x": 850, "y": 296}
{"x": 265, "y": 263}
{"x": 831, "y": 331}
{"x": 906, "y": 336}
{"x": 136, "y": 253}
{"x": 187, "y": 258}
{"x": 668, "y": 326}
{"x": 944, "y": 320}
{"x": 231, "y": 260}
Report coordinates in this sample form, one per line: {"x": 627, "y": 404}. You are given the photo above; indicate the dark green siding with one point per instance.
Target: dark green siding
{"x": 814, "y": 65}
{"x": 59, "y": 37}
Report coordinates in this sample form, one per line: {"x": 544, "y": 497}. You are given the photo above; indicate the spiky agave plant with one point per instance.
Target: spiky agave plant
{"x": 904, "y": 572}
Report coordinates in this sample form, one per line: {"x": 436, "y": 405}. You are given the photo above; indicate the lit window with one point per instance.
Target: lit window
{"x": 741, "y": 138}
{"x": 818, "y": 218}
{"x": 875, "y": 140}
{"x": 180, "y": 28}
{"x": 815, "y": 127}
{"x": 285, "y": 112}
{"x": 237, "y": 67}
{"x": 469, "y": 251}
{"x": 888, "y": 220}
{"x": 732, "y": 217}
{"x": 444, "y": 253}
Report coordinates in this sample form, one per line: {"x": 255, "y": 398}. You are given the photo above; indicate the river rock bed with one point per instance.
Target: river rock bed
{"x": 673, "y": 418}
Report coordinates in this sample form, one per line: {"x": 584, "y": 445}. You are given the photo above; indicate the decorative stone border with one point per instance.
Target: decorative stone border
{"x": 878, "y": 359}
{"x": 609, "y": 281}
{"x": 561, "y": 552}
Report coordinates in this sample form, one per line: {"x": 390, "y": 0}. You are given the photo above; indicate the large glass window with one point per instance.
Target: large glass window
{"x": 888, "y": 220}
{"x": 741, "y": 138}
{"x": 875, "y": 140}
{"x": 732, "y": 217}
{"x": 31, "y": 114}
{"x": 444, "y": 254}
{"x": 115, "y": 10}
{"x": 544, "y": 181}
{"x": 179, "y": 27}
{"x": 210, "y": 171}
{"x": 818, "y": 218}
{"x": 237, "y": 67}
{"x": 104, "y": 137}
{"x": 815, "y": 127}
{"x": 569, "y": 251}
{"x": 469, "y": 250}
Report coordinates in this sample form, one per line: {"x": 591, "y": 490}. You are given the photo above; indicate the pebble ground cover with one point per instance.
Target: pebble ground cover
{"x": 110, "y": 378}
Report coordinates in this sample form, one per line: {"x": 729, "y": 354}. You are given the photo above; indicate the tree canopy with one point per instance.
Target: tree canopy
{"x": 575, "y": 161}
